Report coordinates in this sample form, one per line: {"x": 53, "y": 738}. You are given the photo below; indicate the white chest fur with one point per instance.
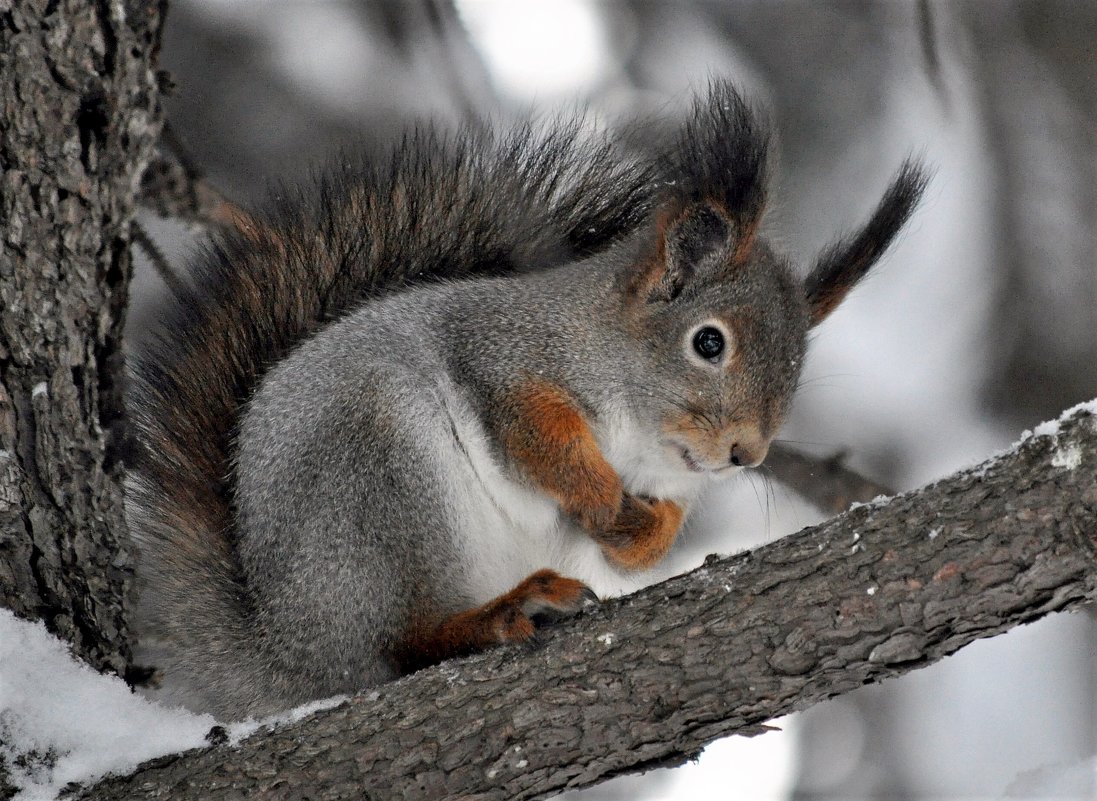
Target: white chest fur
{"x": 508, "y": 530}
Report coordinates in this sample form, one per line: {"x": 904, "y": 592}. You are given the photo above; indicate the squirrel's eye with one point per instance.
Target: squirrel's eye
{"x": 708, "y": 342}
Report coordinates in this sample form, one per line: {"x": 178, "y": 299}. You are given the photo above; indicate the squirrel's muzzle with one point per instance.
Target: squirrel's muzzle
{"x": 748, "y": 445}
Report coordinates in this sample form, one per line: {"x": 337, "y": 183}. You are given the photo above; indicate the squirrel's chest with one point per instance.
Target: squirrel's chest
{"x": 504, "y": 529}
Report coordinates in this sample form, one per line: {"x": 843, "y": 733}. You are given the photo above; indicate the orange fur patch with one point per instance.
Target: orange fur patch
{"x": 826, "y": 302}
{"x": 643, "y": 532}
{"x": 505, "y": 619}
{"x": 746, "y": 238}
{"x": 551, "y": 440}
{"x": 653, "y": 267}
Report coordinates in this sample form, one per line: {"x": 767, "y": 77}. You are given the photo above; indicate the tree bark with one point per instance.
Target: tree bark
{"x": 79, "y": 116}
{"x": 649, "y": 679}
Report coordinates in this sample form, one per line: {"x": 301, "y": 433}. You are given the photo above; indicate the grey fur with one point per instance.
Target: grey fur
{"x": 347, "y": 450}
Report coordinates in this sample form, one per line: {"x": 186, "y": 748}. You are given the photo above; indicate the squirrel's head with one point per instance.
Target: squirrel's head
{"x": 726, "y": 318}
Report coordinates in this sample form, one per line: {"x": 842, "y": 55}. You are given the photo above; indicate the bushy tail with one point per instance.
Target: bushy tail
{"x": 475, "y": 203}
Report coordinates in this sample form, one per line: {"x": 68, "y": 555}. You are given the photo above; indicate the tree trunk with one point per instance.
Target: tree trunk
{"x": 649, "y": 680}
{"x": 79, "y": 116}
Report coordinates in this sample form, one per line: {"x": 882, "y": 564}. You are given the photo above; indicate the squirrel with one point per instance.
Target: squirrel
{"x": 422, "y": 406}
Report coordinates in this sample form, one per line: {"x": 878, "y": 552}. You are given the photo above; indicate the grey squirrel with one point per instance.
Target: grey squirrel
{"x": 420, "y": 406}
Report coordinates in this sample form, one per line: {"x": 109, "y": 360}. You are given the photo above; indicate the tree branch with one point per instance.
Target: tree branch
{"x": 650, "y": 679}
{"x": 824, "y": 482}
{"x": 175, "y": 188}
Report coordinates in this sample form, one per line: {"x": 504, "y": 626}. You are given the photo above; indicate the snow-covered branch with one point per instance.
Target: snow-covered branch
{"x": 650, "y": 679}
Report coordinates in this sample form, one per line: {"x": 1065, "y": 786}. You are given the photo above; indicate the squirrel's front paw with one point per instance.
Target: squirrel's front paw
{"x": 544, "y": 597}
{"x": 642, "y": 533}
{"x": 597, "y": 502}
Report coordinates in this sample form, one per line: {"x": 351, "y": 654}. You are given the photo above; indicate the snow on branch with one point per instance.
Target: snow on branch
{"x": 649, "y": 679}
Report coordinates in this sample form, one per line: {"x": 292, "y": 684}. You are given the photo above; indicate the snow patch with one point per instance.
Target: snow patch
{"x": 87, "y": 723}
{"x": 879, "y": 500}
{"x": 606, "y": 639}
{"x": 1070, "y": 456}
{"x": 246, "y": 728}
{"x": 1050, "y": 428}
{"x": 61, "y": 722}
{"x": 1067, "y": 458}
{"x": 39, "y": 389}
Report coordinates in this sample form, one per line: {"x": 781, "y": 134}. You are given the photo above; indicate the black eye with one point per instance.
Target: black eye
{"x": 708, "y": 342}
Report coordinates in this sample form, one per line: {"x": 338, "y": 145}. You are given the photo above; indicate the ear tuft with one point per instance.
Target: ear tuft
{"x": 720, "y": 156}
{"x": 847, "y": 261}
{"x": 713, "y": 192}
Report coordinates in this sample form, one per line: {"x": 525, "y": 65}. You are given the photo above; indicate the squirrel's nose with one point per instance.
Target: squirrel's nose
{"x": 749, "y": 454}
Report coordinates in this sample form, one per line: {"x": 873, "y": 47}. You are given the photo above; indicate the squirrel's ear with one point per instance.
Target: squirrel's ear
{"x": 715, "y": 190}
{"x": 846, "y": 262}
{"x": 685, "y": 239}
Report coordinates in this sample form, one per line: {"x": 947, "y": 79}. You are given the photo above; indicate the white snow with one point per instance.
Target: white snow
{"x": 879, "y": 500}
{"x": 1050, "y": 428}
{"x": 88, "y": 723}
{"x": 39, "y": 389}
{"x": 239, "y": 731}
{"x": 1067, "y": 458}
{"x": 93, "y": 724}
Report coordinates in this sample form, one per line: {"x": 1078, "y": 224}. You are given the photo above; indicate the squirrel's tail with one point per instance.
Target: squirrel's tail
{"x": 442, "y": 207}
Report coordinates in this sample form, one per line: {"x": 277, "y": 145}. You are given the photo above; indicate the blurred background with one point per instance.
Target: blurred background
{"x": 981, "y": 322}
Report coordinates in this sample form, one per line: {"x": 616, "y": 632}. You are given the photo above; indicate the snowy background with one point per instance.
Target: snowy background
{"x": 981, "y": 322}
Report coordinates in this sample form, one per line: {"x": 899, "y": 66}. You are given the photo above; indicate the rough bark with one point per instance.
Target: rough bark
{"x": 78, "y": 120}
{"x": 650, "y": 679}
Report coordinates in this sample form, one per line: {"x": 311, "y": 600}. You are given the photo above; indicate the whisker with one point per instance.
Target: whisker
{"x": 801, "y": 390}
{"x": 754, "y": 487}
{"x": 808, "y": 443}
{"x": 824, "y": 377}
{"x": 764, "y": 509}
{"x": 774, "y": 483}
